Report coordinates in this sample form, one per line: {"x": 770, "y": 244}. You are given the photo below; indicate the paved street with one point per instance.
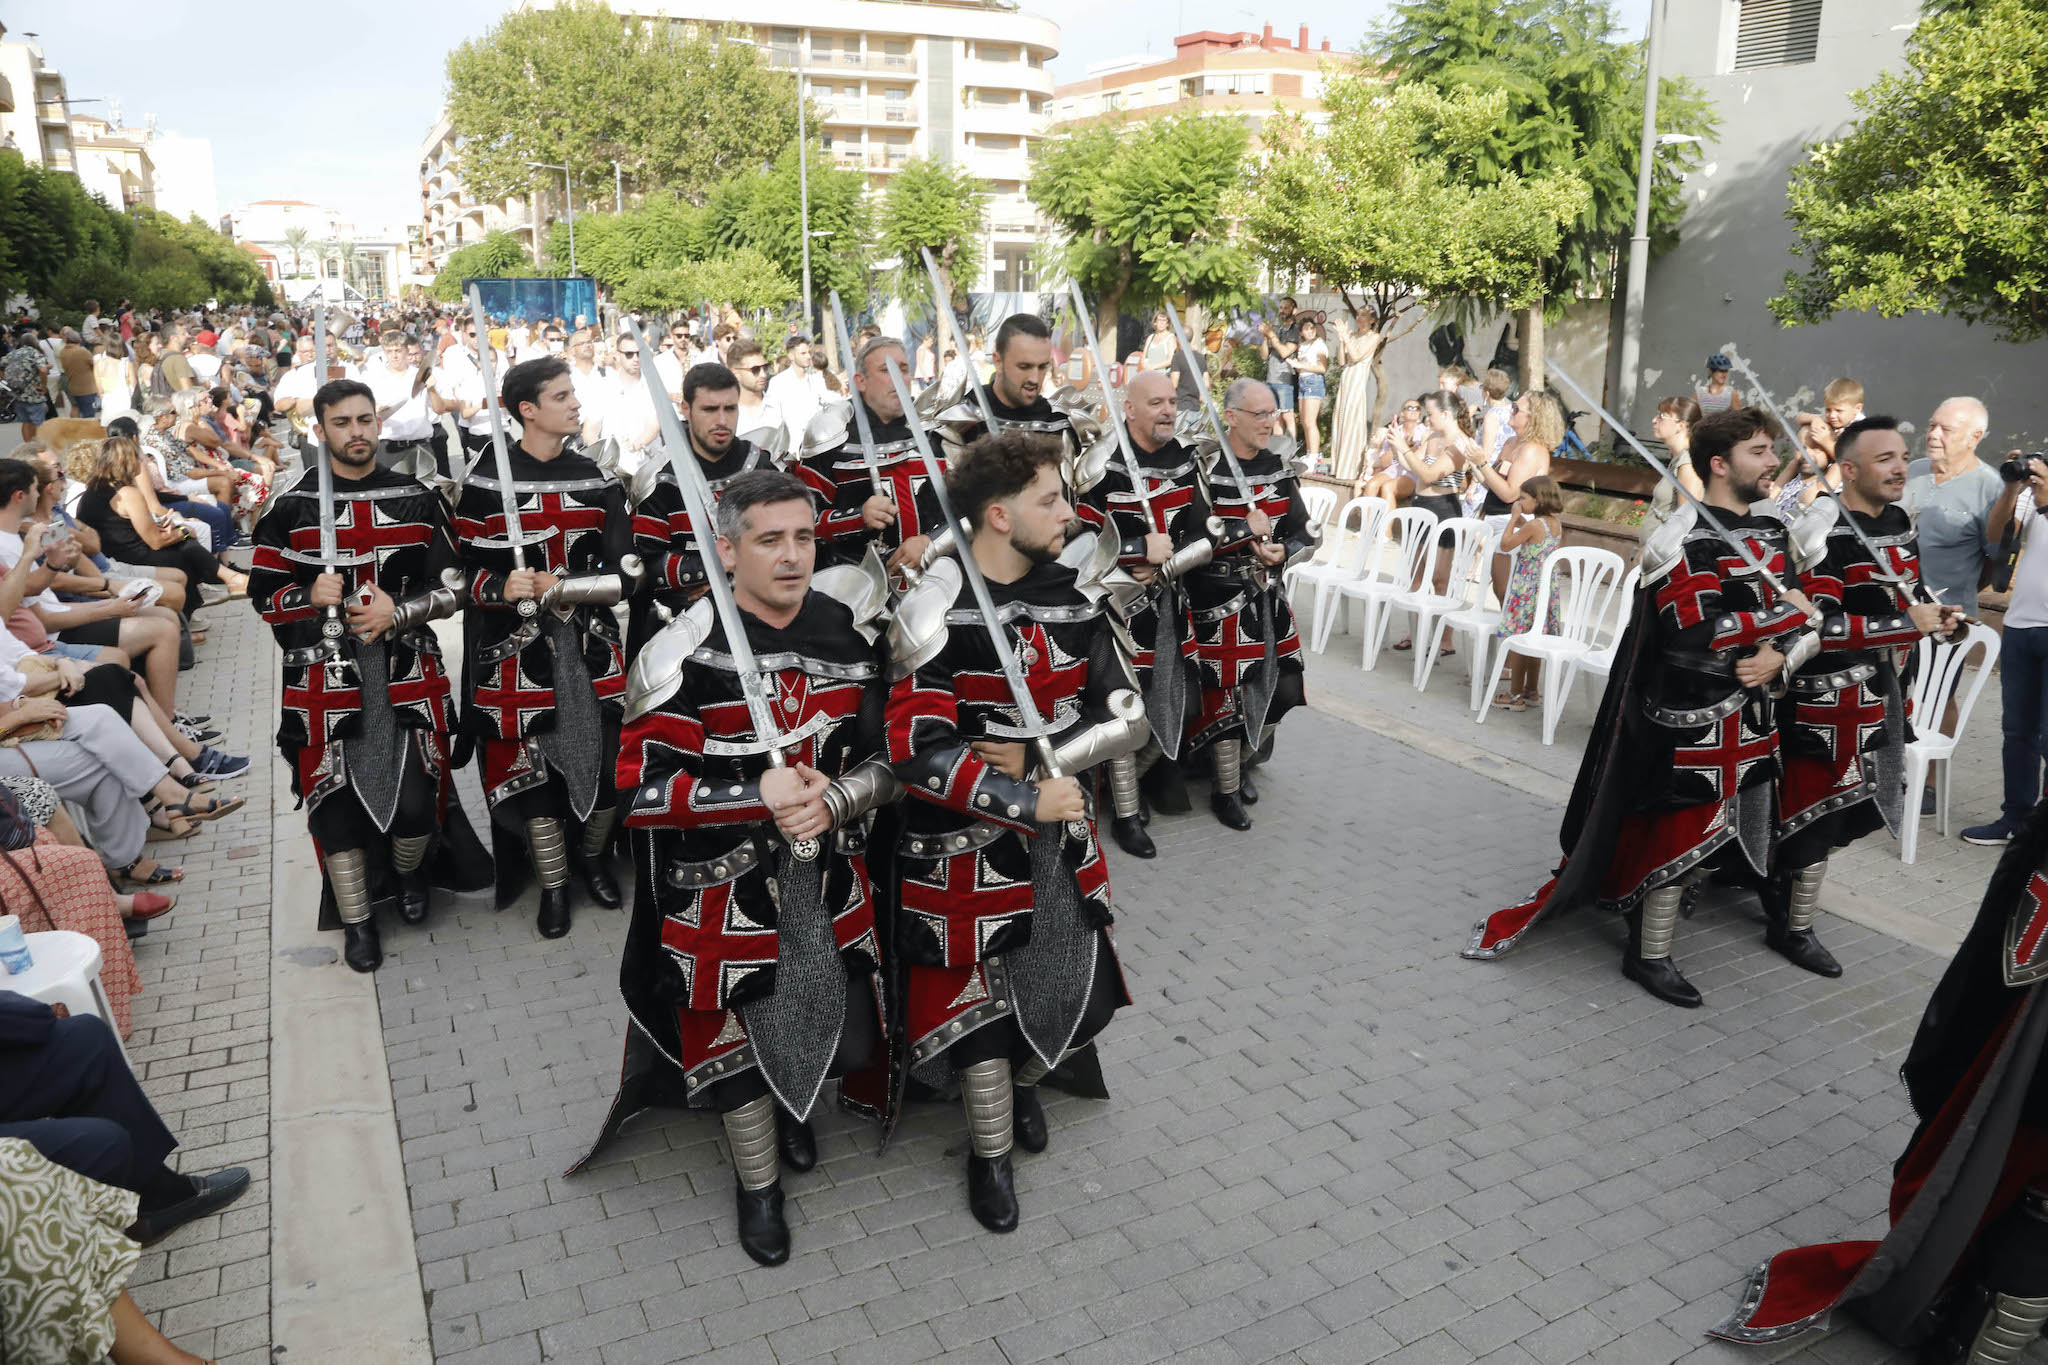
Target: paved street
{"x": 1330, "y": 1140}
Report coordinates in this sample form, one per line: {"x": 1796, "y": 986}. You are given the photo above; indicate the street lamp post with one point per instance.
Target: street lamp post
{"x": 618, "y": 189}
{"x": 1639, "y": 245}
{"x": 803, "y": 181}
{"x": 569, "y": 198}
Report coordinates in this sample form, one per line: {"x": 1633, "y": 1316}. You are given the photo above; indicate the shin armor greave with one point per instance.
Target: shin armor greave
{"x": 985, "y": 1091}
{"x": 1229, "y": 756}
{"x": 348, "y": 873}
{"x": 1123, "y": 785}
{"x": 1805, "y": 898}
{"x": 550, "y": 852}
{"x": 1998, "y": 1315}
{"x": 409, "y": 852}
{"x": 1660, "y": 921}
{"x": 597, "y": 833}
{"x": 750, "y": 1130}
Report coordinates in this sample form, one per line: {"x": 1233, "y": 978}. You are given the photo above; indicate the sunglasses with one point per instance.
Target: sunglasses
{"x": 755, "y": 369}
{"x": 629, "y": 354}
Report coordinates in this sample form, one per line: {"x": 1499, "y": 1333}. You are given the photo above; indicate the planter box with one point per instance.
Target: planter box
{"x": 1622, "y": 481}
{"x": 1625, "y": 541}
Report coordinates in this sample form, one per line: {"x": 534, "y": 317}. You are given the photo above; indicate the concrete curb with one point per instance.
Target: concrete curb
{"x": 1904, "y": 925}
{"x": 344, "y": 1278}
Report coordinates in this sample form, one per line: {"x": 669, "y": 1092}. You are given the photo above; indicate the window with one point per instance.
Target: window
{"x": 1112, "y": 99}
{"x": 1014, "y": 273}
{"x": 989, "y": 52}
{"x": 1776, "y": 33}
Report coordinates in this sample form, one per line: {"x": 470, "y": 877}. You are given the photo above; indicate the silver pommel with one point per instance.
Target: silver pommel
{"x": 943, "y": 544}
{"x": 1125, "y": 732}
{"x": 457, "y": 580}
{"x": 871, "y": 785}
{"x": 437, "y": 604}
{"x": 1190, "y": 557}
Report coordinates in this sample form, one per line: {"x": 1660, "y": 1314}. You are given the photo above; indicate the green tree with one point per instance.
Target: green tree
{"x": 681, "y": 105}
{"x": 744, "y": 278}
{"x": 498, "y": 256}
{"x": 295, "y": 241}
{"x": 188, "y": 249}
{"x": 936, "y": 206}
{"x": 1386, "y": 198}
{"x": 611, "y": 246}
{"x": 1937, "y": 199}
{"x": 57, "y": 242}
{"x": 1574, "y": 107}
{"x": 760, "y": 210}
{"x": 1141, "y": 210}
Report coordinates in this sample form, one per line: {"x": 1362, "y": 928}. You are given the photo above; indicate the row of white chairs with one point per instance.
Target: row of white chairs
{"x": 1373, "y": 553}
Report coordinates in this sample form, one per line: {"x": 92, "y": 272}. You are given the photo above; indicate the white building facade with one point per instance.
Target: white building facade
{"x": 373, "y": 262}
{"x": 450, "y": 217}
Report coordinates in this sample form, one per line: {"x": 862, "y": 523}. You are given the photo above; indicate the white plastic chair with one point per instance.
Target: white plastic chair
{"x": 1599, "y": 661}
{"x": 1339, "y": 557}
{"x": 1595, "y": 577}
{"x": 1319, "y": 501}
{"x": 1410, "y": 533}
{"x": 1940, "y": 673}
{"x": 1355, "y": 560}
{"x": 1468, "y": 553}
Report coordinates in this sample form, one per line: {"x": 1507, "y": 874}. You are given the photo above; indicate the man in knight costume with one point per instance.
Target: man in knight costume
{"x": 1003, "y": 663}
{"x": 902, "y": 517}
{"x": 1245, "y": 637}
{"x": 1681, "y": 771}
{"x": 546, "y": 545}
{"x": 1843, "y": 759}
{"x": 1017, "y": 397}
{"x": 661, "y": 523}
{"x": 752, "y": 965}
{"x": 349, "y": 583}
{"x": 1161, "y": 532}
{"x": 1962, "y": 1272}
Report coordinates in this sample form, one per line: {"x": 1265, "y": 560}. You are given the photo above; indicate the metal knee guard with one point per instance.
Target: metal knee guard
{"x": 1229, "y": 764}
{"x": 1805, "y": 899}
{"x": 597, "y": 833}
{"x": 985, "y": 1089}
{"x": 550, "y": 852}
{"x": 750, "y": 1131}
{"x": 409, "y": 852}
{"x": 1123, "y": 785}
{"x": 348, "y": 872}
{"x": 1660, "y": 921}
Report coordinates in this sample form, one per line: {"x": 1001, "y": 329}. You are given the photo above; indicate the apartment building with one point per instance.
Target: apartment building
{"x": 341, "y": 258}
{"x": 963, "y": 81}
{"x": 35, "y": 115}
{"x": 1245, "y": 74}
{"x": 450, "y": 217}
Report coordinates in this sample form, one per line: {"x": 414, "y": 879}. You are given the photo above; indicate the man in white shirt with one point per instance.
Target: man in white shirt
{"x": 292, "y": 394}
{"x": 459, "y": 388}
{"x": 672, "y": 361}
{"x": 628, "y": 418}
{"x": 798, "y": 392}
{"x": 400, "y": 394}
{"x": 593, "y": 383}
{"x": 750, "y": 366}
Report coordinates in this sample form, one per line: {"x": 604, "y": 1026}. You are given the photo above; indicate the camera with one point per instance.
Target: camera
{"x": 2015, "y": 470}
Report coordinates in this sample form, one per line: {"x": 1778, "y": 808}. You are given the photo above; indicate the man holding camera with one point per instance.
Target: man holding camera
{"x": 2023, "y": 657}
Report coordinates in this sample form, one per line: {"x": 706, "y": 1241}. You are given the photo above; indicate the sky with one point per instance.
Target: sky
{"x": 339, "y": 122}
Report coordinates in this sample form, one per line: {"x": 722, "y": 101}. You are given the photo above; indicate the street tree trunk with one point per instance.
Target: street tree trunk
{"x": 1529, "y": 330}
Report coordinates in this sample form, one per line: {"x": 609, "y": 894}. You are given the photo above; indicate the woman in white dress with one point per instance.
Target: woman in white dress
{"x": 114, "y": 372}
{"x": 1351, "y": 422}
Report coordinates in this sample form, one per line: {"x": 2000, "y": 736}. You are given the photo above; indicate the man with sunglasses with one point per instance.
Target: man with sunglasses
{"x": 1244, "y": 627}
{"x": 749, "y": 364}
{"x": 627, "y": 417}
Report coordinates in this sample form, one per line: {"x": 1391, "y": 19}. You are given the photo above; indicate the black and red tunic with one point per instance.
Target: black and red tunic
{"x": 964, "y": 860}
{"x": 1683, "y": 759}
{"x": 395, "y": 533}
{"x": 664, "y": 539}
{"x": 1180, "y": 511}
{"x": 1238, "y": 608}
{"x": 703, "y": 937}
{"x": 839, "y": 479}
{"x": 1844, "y": 763}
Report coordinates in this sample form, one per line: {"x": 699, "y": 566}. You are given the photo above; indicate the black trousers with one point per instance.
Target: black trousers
{"x": 1004, "y": 1039}
{"x": 339, "y": 822}
{"x": 75, "y": 1101}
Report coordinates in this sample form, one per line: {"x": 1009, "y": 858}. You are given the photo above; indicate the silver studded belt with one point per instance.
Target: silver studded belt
{"x": 1664, "y": 715}
{"x": 713, "y": 871}
{"x": 1224, "y": 611}
{"x": 978, "y": 835}
{"x": 1814, "y": 684}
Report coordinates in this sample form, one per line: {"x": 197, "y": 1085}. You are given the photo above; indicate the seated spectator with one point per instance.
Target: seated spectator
{"x": 66, "y": 1090}
{"x": 175, "y": 482}
{"x": 59, "y": 883}
{"x": 1387, "y": 477}
{"x": 93, "y": 575}
{"x": 117, "y": 507}
{"x": 1535, "y": 530}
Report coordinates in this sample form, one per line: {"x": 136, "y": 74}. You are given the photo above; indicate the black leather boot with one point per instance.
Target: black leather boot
{"x": 795, "y": 1141}
{"x": 599, "y": 882}
{"x": 1027, "y": 1120}
{"x": 1229, "y": 809}
{"x": 764, "y": 1235}
{"x": 1248, "y": 790}
{"x": 553, "y": 921}
{"x": 1789, "y": 900}
{"x": 1656, "y": 973}
{"x": 361, "y": 948}
{"x": 1129, "y": 833}
{"x": 992, "y": 1192}
{"x": 413, "y": 895}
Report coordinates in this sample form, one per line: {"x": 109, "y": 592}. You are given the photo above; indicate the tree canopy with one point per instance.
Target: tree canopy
{"x": 498, "y": 256}
{"x": 1386, "y": 197}
{"x": 744, "y": 278}
{"x": 760, "y": 210}
{"x": 680, "y": 105}
{"x": 931, "y": 205}
{"x": 1937, "y": 198}
{"x": 1141, "y": 211}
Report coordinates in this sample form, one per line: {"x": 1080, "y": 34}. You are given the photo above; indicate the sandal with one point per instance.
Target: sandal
{"x": 159, "y": 875}
{"x": 212, "y": 810}
{"x": 171, "y": 828}
{"x": 1404, "y": 644}
{"x": 1511, "y": 701}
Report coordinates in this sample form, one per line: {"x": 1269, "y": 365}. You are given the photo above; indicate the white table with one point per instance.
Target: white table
{"x": 67, "y": 973}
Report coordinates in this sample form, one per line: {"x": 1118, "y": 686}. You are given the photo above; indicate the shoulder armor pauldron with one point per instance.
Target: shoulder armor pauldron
{"x": 1092, "y": 556}
{"x": 605, "y": 455}
{"x": 647, "y": 477}
{"x": 862, "y": 588}
{"x": 918, "y": 631}
{"x": 657, "y": 669}
{"x": 1809, "y": 533}
{"x": 1089, "y": 467}
{"x": 830, "y": 427}
{"x": 1666, "y": 545}
{"x": 772, "y": 441}
{"x": 1079, "y": 410}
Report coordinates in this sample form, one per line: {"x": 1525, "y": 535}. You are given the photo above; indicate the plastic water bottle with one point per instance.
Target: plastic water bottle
{"x": 14, "y": 954}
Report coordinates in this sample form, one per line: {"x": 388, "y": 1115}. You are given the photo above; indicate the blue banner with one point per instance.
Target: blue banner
{"x": 532, "y": 299}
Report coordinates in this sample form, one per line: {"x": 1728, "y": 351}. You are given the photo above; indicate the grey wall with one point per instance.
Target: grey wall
{"x": 1711, "y": 288}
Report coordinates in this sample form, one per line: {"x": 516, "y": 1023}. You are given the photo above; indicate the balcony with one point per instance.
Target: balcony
{"x": 1016, "y": 120}
{"x": 52, "y": 111}
{"x": 871, "y": 159}
{"x": 1004, "y": 76}
{"x": 877, "y": 63}
{"x": 6, "y": 96}
{"x": 895, "y": 113}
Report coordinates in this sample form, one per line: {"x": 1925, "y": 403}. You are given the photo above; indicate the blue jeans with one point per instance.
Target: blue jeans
{"x": 2023, "y": 688}
{"x": 219, "y": 519}
{"x": 85, "y": 404}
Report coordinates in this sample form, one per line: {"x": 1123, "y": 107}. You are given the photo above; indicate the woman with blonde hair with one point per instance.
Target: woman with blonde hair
{"x": 1538, "y": 427}
{"x": 118, "y": 506}
{"x": 114, "y": 372}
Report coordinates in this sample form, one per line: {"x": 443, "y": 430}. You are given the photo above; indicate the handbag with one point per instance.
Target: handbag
{"x": 46, "y": 729}
{"x": 16, "y": 831}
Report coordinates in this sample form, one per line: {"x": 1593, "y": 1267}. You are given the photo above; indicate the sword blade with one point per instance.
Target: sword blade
{"x": 943, "y": 302}
{"x": 1013, "y": 674}
{"x": 508, "y": 495}
{"x": 682, "y": 458}
{"x": 860, "y": 412}
{"x": 1200, "y": 374}
{"x": 1116, "y": 420}
{"x": 325, "y": 468}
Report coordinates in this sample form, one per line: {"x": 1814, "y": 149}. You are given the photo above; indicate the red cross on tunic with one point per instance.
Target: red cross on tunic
{"x": 361, "y": 529}
{"x": 1900, "y": 568}
{"x": 561, "y": 511}
{"x": 1727, "y": 756}
{"x": 902, "y": 478}
{"x": 1847, "y": 722}
{"x": 1232, "y": 651}
{"x": 797, "y": 700}
{"x": 2025, "y": 960}
{"x": 1052, "y": 675}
